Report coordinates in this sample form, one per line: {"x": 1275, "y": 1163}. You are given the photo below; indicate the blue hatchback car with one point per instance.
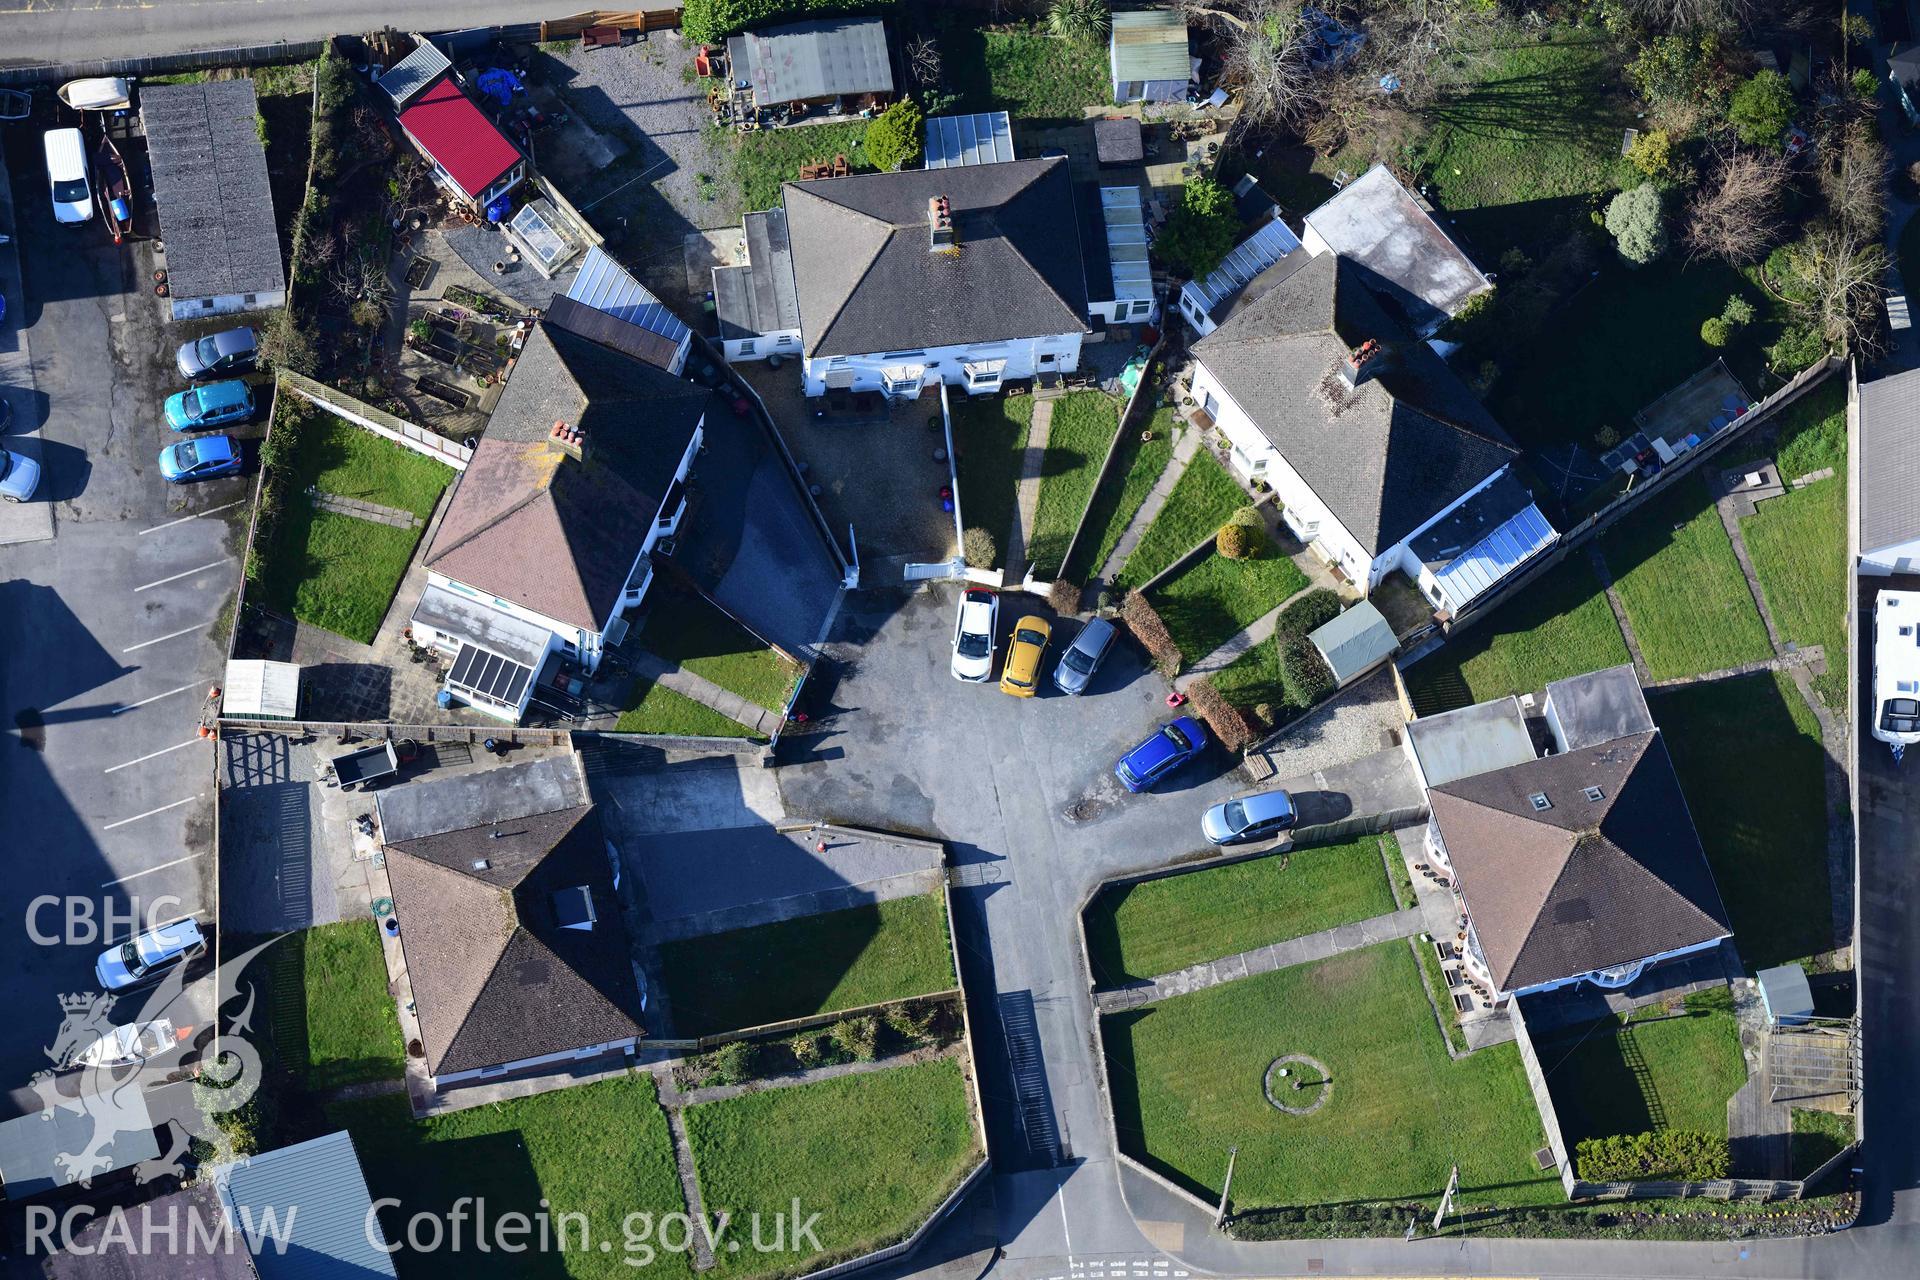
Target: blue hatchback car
{"x": 212, "y": 405}
{"x": 200, "y": 459}
{"x": 1170, "y": 747}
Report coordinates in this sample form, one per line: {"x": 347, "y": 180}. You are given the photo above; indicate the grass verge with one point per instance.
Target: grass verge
{"x": 690, "y": 630}
{"x": 654, "y": 708}
{"x": 1160, "y": 926}
{"x": 1200, "y": 502}
{"x": 333, "y": 1022}
{"x": 1649, "y": 1070}
{"x": 1204, "y": 605}
{"x": 1082, "y": 430}
{"x": 1818, "y": 1136}
{"x": 1442, "y": 994}
{"x": 990, "y": 437}
{"x": 1798, "y": 545}
{"x": 863, "y": 955}
{"x": 872, "y": 1154}
{"x": 1186, "y": 1079}
{"x": 1135, "y": 468}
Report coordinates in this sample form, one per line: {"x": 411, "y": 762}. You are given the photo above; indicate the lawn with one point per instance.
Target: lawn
{"x": 1818, "y": 1136}
{"x": 333, "y": 571}
{"x": 1650, "y": 1070}
{"x": 689, "y": 630}
{"x": 1682, "y": 588}
{"x": 1206, "y": 603}
{"x": 813, "y": 964}
{"x": 765, "y": 158}
{"x": 1798, "y": 545}
{"x": 1022, "y": 71}
{"x": 339, "y": 458}
{"x": 654, "y": 708}
{"x": 1078, "y": 438}
{"x": 600, "y": 1150}
{"x": 1135, "y": 468}
{"x": 1202, "y": 499}
{"x": 333, "y": 1022}
{"x": 1253, "y": 678}
{"x": 1808, "y": 435}
{"x": 1534, "y": 128}
{"x": 1186, "y": 1079}
{"x": 871, "y": 1154}
{"x": 1559, "y": 626}
{"x": 990, "y": 437}
{"x": 1750, "y": 762}
{"x": 1140, "y": 931}
{"x": 1620, "y": 344}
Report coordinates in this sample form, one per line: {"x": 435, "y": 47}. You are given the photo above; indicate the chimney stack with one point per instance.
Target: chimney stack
{"x": 940, "y": 225}
{"x": 569, "y": 440}
{"x": 1362, "y": 363}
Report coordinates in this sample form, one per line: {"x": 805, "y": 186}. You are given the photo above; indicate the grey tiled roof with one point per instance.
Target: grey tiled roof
{"x": 210, "y": 181}
{"x": 867, "y": 281}
{"x": 1384, "y": 457}
{"x": 1889, "y": 460}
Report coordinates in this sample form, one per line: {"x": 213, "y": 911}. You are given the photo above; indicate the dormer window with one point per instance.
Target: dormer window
{"x": 573, "y": 908}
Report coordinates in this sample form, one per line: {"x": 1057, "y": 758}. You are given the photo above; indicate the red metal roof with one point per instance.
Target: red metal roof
{"x": 459, "y": 137}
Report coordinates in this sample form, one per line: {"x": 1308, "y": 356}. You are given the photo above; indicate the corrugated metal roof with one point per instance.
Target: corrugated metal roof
{"x": 823, "y": 58}
{"x": 457, "y": 136}
{"x": 1496, "y": 555}
{"x": 1150, "y": 44}
{"x": 210, "y": 181}
{"x": 413, "y": 73}
{"x": 1126, "y": 242}
{"x": 1252, "y": 256}
{"x": 605, "y": 285}
{"x": 324, "y": 1228}
{"x": 953, "y": 141}
{"x": 1355, "y": 641}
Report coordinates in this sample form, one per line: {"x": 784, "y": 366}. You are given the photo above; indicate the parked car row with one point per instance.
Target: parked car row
{"x": 977, "y": 624}
{"x": 207, "y": 404}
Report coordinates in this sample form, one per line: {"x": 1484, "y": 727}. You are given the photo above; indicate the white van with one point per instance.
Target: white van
{"x": 67, "y": 175}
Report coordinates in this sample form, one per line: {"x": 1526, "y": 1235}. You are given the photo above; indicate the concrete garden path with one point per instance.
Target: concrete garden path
{"x": 1027, "y": 499}
{"x": 1262, "y": 627}
{"x": 705, "y": 692}
{"x": 1183, "y": 450}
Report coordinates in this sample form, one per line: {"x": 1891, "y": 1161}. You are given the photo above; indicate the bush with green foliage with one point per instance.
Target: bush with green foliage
{"x": 1304, "y": 674}
{"x": 858, "y": 1037}
{"x": 1799, "y": 345}
{"x": 709, "y": 21}
{"x": 1309, "y": 613}
{"x": 1865, "y": 84}
{"x": 1761, "y": 109}
{"x": 1235, "y": 541}
{"x": 1638, "y": 225}
{"x": 1201, "y": 230}
{"x": 1680, "y": 1154}
{"x": 893, "y": 140}
{"x": 810, "y": 1050}
{"x": 1652, "y": 153}
{"x": 979, "y": 548}
{"x": 1738, "y": 311}
{"x": 1681, "y": 70}
{"x": 1716, "y": 332}
{"x": 1079, "y": 19}
{"x": 734, "y": 1062}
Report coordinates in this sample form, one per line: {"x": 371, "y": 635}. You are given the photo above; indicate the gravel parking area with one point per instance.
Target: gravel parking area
{"x": 642, "y": 94}
{"x": 1359, "y": 722}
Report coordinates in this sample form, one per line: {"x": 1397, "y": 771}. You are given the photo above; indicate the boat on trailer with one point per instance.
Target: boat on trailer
{"x": 111, "y": 190}
{"x": 97, "y": 93}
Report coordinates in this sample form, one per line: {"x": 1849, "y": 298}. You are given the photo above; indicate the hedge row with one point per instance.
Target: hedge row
{"x": 706, "y": 21}
{"x": 1226, "y": 722}
{"x": 1685, "y": 1155}
{"x": 1150, "y": 630}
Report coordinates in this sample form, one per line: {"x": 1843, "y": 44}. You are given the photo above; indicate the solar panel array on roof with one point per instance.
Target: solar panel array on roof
{"x": 605, "y": 285}
{"x": 1253, "y": 255}
{"x": 954, "y": 141}
{"x": 488, "y": 675}
{"x": 210, "y": 181}
{"x": 413, "y": 73}
{"x": 1126, "y": 242}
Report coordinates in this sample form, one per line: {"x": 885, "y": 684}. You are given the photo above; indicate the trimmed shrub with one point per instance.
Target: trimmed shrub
{"x": 1715, "y": 331}
{"x": 1638, "y": 225}
{"x": 1064, "y": 596}
{"x": 1761, "y": 109}
{"x": 1304, "y": 674}
{"x": 809, "y": 1050}
{"x": 1310, "y": 612}
{"x": 1224, "y": 720}
{"x": 1147, "y": 627}
{"x": 1652, "y": 153}
{"x": 1864, "y": 83}
{"x": 1680, "y": 1154}
{"x": 1737, "y": 312}
{"x": 979, "y": 548}
{"x": 1234, "y": 541}
{"x": 893, "y": 140}
{"x": 734, "y": 1062}
{"x": 707, "y": 21}
{"x": 858, "y": 1037}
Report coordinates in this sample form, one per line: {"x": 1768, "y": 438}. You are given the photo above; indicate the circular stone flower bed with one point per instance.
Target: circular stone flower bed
{"x": 1297, "y": 1084}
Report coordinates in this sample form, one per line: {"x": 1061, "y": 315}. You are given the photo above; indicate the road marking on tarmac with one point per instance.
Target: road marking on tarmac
{"x": 156, "y": 697}
{"x": 151, "y": 755}
{"x": 171, "y": 635}
{"x": 195, "y": 516}
{"x": 176, "y": 577}
{"x": 150, "y": 870}
{"x": 148, "y": 814}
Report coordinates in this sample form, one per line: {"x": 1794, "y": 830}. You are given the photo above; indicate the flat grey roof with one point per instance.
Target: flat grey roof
{"x": 823, "y": 58}
{"x": 1785, "y": 990}
{"x": 1599, "y": 706}
{"x": 482, "y": 626}
{"x": 1471, "y": 741}
{"x": 1377, "y": 223}
{"x": 210, "y": 181}
{"x": 436, "y": 805}
{"x": 759, "y": 296}
{"x": 1355, "y": 641}
{"x": 115, "y": 1127}
{"x": 1888, "y": 459}
{"x": 411, "y": 74}
{"x": 322, "y": 1211}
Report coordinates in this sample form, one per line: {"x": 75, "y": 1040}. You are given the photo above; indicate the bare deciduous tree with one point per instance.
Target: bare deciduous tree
{"x": 1694, "y": 15}
{"x": 1266, "y": 48}
{"x": 1853, "y": 178}
{"x": 923, "y": 62}
{"x": 1843, "y": 273}
{"x": 1734, "y": 214}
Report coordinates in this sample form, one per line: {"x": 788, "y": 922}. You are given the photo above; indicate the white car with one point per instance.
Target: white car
{"x": 973, "y": 633}
{"x": 124, "y": 1046}
{"x": 151, "y": 954}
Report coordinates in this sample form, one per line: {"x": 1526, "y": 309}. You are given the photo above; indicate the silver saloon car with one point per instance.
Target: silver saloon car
{"x": 1083, "y": 657}
{"x": 1245, "y": 819}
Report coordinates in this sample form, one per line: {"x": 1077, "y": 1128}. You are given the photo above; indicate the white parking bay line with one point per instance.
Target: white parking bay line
{"x": 135, "y": 875}
{"x": 151, "y": 755}
{"x": 176, "y": 577}
{"x": 155, "y": 698}
{"x": 149, "y": 813}
{"x": 195, "y": 516}
{"x": 171, "y": 635}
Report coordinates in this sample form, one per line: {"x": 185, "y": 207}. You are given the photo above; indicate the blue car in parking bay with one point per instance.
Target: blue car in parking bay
{"x": 200, "y": 459}
{"x": 212, "y": 405}
{"x": 1171, "y": 746}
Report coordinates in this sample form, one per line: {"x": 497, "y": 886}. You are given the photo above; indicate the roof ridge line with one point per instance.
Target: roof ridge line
{"x": 466, "y": 1015}
{"x": 544, "y": 490}
{"x": 583, "y": 809}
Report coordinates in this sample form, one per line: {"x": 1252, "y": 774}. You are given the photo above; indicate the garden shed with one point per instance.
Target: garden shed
{"x": 1356, "y": 642}
{"x": 256, "y": 690}
{"x": 1147, "y": 55}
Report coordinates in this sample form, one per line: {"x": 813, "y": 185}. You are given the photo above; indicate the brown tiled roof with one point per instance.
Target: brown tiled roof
{"x": 495, "y": 977}
{"x": 1584, "y": 884}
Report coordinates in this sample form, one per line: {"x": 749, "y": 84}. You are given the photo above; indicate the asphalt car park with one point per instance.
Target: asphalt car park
{"x": 108, "y": 615}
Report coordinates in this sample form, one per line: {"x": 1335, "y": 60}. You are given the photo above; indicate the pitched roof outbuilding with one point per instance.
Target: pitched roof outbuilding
{"x": 1889, "y": 460}
{"x": 210, "y": 183}
{"x": 458, "y": 136}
